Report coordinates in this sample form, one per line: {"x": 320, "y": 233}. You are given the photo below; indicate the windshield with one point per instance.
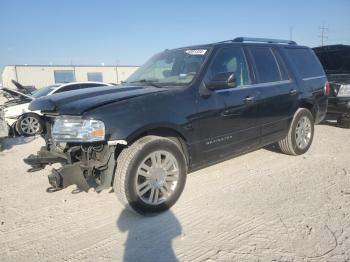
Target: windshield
{"x": 44, "y": 91}
{"x": 178, "y": 67}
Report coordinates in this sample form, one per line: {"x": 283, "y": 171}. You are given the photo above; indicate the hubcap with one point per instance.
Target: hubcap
{"x": 30, "y": 125}
{"x": 303, "y": 132}
{"x": 157, "y": 177}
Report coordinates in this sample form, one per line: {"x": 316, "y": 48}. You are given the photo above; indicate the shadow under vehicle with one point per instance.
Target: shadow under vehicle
{"x": 335, "y": 60}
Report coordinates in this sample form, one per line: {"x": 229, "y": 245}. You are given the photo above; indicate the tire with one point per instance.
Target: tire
{"x": 155, "y": 163}
{"x": 298, "y": 142}
{"x": 29, "y": 124}
{"x": 344, "y": 121}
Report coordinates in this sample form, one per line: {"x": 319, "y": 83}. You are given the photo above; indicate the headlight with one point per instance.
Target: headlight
{"x": 75, "y": 129}
{"x": 344, "y": 90}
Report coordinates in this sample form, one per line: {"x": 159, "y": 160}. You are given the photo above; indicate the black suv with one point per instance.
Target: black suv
{"x": 335, "y": 60}
{"x": 184, "y": 109}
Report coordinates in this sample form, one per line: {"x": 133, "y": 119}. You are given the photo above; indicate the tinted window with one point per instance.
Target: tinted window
{"x": 266, "y": 64}
{"x": 96, "y": 77}
{"x": 282, "y": 66}
{"x": 305, "y": 62}
{"x": 335, "y": 61}
{"x": 68, "y": 88}
{"x": 231, "y": 60}
{"x": 64, "y": 76}
{"x": 44, "y": 91}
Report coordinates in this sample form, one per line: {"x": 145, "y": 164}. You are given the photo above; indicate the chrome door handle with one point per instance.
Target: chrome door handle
{"x": 249, "y": 99}
{"x": 293, "y": 92}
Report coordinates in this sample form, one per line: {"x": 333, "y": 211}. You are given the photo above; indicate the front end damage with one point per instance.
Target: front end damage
{"x": 89, "y": 165}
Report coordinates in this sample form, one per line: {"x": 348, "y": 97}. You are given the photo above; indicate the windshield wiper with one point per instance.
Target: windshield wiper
{"x": 149, "y": 82}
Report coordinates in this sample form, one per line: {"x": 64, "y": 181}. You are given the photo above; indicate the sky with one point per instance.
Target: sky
{"x": 86, "y": 32}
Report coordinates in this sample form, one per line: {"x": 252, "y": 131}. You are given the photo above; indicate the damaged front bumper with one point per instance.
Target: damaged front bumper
{"x": 84, "y": 166}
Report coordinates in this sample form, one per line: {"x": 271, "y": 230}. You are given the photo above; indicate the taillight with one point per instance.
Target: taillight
{"x": 327, "y": 89}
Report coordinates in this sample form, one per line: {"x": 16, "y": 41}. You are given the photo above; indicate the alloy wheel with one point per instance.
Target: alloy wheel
{"x": 30, "y": 125}
{"x": 157, "y": 177}
{"x": 303, "y": 132}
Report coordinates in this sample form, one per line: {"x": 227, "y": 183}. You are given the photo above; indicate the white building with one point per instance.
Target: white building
{"x": 39, "y": 76}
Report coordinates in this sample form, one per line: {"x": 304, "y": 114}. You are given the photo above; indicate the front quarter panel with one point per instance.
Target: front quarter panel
{"x": 173, "y": 109}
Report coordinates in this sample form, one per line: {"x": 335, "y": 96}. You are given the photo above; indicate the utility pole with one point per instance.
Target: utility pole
{"x": 323, "y": 36}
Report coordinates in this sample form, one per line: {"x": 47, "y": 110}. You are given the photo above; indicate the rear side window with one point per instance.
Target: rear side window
{"x": 266, "y": 64}
{"x": 305, "y": 62}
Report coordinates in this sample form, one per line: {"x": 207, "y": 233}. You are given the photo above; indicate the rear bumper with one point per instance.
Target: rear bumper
{"x": 321, "y": 109}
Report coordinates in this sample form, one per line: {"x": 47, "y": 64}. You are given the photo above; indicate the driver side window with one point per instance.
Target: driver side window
{"x": 231, "y": 60}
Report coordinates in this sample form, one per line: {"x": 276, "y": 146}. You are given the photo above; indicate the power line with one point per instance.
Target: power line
{"x": 323, "y": 36}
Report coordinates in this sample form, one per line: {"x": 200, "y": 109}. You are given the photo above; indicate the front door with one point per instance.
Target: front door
{"x": 228, "y": 115}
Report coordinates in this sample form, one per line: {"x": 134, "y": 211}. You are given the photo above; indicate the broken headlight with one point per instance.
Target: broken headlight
{"x": 76, "y": 129}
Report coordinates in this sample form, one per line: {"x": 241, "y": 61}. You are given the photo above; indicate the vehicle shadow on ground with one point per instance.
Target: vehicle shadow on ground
{"x": 331, "y": 123}
{"x": 273, "y": 148}
{"x": 10, "y": 142}
{"x": 149, "y": 238}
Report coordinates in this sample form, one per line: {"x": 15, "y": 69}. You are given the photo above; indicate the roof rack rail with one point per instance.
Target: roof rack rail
{"x": 260, "y": 40}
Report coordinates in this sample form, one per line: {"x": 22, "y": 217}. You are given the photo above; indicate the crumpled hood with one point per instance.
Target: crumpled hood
{"x": 79, "y": 101}
{"x": 14, "y": 93}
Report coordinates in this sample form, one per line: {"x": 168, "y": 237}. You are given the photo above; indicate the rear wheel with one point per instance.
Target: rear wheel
{"x": 300, "y": 134}
{"x": 150, "y": 174}
{"x": 29, "y": 125}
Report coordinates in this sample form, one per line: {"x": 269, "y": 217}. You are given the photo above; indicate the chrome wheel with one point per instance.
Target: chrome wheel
{"x": 303, "y": 132}
{"x": 157, "y": 177}
{"x": 30, "y": 125}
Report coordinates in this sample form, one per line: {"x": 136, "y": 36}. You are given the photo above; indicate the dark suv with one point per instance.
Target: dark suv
{"x": 184, "y": 109}
{"x": 335, "y": 60}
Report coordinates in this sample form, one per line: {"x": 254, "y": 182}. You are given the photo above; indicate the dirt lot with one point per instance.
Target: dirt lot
{"x": 261, "y": 206}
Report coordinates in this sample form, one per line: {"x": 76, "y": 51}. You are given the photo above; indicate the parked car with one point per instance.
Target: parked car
{"x": 335, "y": 60}
{"x": 184, "y": 109}
{"x": 26, "y": 122}
{"x": 3, "y": 127}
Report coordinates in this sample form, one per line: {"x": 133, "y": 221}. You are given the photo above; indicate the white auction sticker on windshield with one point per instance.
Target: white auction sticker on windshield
{"x": 196, "y": 51}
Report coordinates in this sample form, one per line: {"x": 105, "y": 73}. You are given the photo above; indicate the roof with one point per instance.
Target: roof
{"x": 28, "y": 65}
{"x": 243, "y": 40}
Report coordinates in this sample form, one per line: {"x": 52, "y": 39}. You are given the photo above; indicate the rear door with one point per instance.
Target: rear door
{"x": 279, "y": 93}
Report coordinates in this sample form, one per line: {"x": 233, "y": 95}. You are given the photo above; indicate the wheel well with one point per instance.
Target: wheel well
{"x": 169, "y": 133}
{"x": 310, "y": 107}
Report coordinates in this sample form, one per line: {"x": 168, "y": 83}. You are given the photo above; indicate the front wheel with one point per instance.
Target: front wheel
{"x": 300, "y": 134}
{"x": 150, "y": 174}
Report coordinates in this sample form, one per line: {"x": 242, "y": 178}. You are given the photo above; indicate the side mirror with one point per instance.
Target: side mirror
{"x": 222, "y": 81}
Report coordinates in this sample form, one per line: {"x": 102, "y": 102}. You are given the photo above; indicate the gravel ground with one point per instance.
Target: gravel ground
{"x": 262, "y": 206}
